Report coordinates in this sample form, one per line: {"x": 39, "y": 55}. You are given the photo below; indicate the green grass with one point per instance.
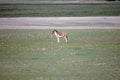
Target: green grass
{"x": 58, "y": 10}
{"x": 35, "y": 55}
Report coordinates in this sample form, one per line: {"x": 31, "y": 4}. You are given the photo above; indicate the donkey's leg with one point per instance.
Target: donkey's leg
{"x": 58, "y": 39}
{"x": 66, "y": 38}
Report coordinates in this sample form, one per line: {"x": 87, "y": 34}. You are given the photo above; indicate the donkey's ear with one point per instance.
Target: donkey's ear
{"x": 53, "y": 30}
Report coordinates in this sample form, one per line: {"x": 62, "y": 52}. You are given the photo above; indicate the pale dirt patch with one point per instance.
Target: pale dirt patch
{"x": 112, "y": 22}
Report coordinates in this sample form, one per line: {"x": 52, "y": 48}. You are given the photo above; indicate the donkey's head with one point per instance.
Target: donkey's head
{"x": 54, "y": 30}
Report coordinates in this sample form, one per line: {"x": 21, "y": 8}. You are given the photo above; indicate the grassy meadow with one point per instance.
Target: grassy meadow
{"x": 35, "y": 55}
{"x": 59, "y": 9}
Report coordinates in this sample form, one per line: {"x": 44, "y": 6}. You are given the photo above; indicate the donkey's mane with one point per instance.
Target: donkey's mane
{"x": 55, "y": 31}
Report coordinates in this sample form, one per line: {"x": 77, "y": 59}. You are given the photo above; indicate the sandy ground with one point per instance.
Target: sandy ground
{"x": 112, "y": 22}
